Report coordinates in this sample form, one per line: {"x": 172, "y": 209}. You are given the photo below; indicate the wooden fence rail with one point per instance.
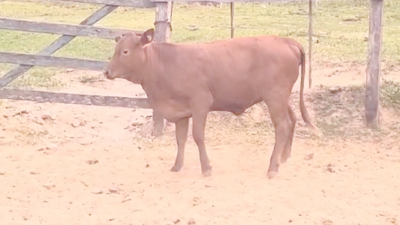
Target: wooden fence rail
{"x": 128, "y": 3}
{"x": 225, "y": 1}
{"x": 69, "y": 98}
{"x": 51, "y": 61}
{"x": 63, "y": 29}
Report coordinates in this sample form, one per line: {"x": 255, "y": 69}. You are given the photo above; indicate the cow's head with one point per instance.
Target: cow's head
{"x": 129, "y": 57}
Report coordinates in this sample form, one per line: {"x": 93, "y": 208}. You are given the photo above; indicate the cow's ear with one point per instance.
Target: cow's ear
{"x": 147, "y": 36}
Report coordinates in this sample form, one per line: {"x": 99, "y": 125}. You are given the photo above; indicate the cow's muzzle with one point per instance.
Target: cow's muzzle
{"x": 107, "y": 74}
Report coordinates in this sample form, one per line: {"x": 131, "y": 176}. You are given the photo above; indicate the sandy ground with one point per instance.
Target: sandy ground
{"x": 71, "y": 164}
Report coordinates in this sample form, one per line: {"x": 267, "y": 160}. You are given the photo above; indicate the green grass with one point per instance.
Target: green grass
{"x": 338, "y": 40}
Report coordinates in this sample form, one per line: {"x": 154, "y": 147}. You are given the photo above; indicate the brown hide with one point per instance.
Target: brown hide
{"x": 190, "y": 80}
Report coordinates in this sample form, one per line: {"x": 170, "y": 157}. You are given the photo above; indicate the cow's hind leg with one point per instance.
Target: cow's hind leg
{"x": 288, "y": 147}
{"x": 278, "y": 109}
{"x": 199, "y": 123}
{"x": 181, "y": 130}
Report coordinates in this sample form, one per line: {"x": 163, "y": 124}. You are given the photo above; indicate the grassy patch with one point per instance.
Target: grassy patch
{"x": 39, "y": 77}
{"x": 340, "y": 27}
{"x": 89, "y": 79}
{"x": 390, "y": 94}
{"x": 29, "y": 135}
{"x": 340, "y": 111}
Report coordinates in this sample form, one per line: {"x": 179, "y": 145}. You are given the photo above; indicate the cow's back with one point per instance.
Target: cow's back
{"x": 240, "y": 70}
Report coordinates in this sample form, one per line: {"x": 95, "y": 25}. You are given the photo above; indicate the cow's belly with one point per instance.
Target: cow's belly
{"x": 172, "y": 111}
{"x": 234, "y": 96}
{"x": 235, "y": 105}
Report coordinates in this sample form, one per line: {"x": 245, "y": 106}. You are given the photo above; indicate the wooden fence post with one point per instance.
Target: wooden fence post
{"x": 374, "y": 61}
{"x": 162, "y": 33}
{"x": 232, "y": 19}
{"x": 310, "y": 40}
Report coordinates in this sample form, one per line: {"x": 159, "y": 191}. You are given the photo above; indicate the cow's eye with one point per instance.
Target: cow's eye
{"x": 125, "y": 52}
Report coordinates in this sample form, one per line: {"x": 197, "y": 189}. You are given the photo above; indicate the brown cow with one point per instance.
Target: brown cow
{"x": 190, "y": 80}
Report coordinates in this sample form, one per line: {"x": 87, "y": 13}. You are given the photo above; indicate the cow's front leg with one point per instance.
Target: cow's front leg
{"x": 199, "y": 123}
{"x": 181, "y": 130}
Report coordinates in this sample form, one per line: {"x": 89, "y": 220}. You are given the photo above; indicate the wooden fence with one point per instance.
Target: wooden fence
{"x": 162, "y": 31}
{"x": 85, "y": 28}
{"x": 69, "y": 32}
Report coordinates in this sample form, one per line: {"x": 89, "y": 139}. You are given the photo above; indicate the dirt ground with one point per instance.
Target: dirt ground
{"x": 72, "y": 164}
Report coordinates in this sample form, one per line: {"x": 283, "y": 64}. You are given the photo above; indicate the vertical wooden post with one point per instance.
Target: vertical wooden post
{"x": 232, "y": 19}
{"x": 310, "y": 40}
{"x": 374, "y": 64}
{"x": 162, "y": 34}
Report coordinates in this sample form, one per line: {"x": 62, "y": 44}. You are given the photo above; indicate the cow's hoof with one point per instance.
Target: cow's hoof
{"x": 175, "y": 168}
{"x": 206, "y": 173}
{"x": 272, "y": 174}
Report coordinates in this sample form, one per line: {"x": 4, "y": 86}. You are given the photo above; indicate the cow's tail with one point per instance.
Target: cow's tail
{"x": 303, "y": 109}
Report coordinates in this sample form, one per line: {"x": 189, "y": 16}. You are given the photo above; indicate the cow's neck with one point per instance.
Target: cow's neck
{"x": 156, "y": 71}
